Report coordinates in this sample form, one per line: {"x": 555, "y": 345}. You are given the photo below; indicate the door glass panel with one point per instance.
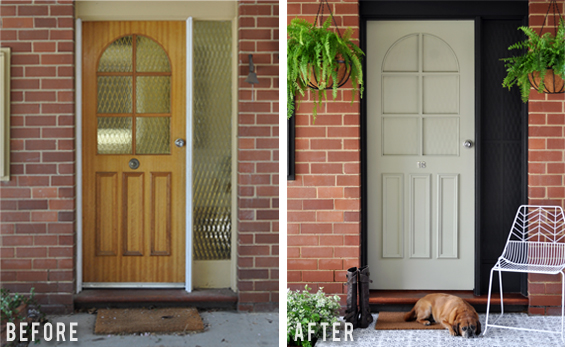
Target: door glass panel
{"x": 153, "y": 94}
{"x": 118, "y": 56}
{"x": 212, "y": 140}
{"x": 152, "y": 135}
{"x": 114, "y": 135}
{"x": 150, "y": 56}
{"x": 114, "y": 94}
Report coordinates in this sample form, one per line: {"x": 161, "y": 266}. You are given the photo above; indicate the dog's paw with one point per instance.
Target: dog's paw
{"x": 453, "y": 333}
{"x": 427, "y": 322}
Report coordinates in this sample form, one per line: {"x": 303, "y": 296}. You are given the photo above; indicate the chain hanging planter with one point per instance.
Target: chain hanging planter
{"x": 552, "y": 83}
{"x": 320, "y": 59}
{"x": 542, "y": 66}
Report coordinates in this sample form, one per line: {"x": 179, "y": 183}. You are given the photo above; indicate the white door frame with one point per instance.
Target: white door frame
{"x": 187, "y": 285}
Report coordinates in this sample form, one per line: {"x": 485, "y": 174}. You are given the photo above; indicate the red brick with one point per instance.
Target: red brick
{"x": 33, "y": 10}
{"x": 347, "y": 252}
{"x": 317, "y": 276}
{"x": 545, "y": 300}
{"x": 317, "y": 252}
{"x": 31, "y": 228}
{"x": 62, "y": 10}
{"x": 57, "y": 59}
{"x": 15, "y": 264}
{"x": 45, "y": 22}
{"x": 317, "y": 228}
{"x": 17, "y": 22}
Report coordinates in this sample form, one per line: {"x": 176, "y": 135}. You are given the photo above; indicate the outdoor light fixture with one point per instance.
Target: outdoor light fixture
{"x": 252, "y": 77}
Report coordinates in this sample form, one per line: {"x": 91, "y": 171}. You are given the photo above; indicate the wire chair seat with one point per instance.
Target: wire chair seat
{"x": 532, "y": 256}
{"x": 536, "y": 244}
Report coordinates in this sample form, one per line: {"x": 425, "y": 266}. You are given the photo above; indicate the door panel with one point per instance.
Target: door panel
{"x": 420, "y": 83}
{"x": 133, "y": 108}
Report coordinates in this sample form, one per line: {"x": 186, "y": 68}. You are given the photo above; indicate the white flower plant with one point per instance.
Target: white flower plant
{"x": 304, "y": 307}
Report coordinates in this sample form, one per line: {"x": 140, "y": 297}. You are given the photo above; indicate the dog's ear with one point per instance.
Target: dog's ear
{"x": 456, "y": 328}
{"x": 478, "y": 330}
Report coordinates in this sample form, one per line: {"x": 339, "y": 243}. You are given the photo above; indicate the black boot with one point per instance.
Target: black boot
{"x": 365, "y": 311}
{"x": 351, "y": 312}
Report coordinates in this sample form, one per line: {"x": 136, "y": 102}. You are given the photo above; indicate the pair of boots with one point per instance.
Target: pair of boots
{"x": 359, "y": 317}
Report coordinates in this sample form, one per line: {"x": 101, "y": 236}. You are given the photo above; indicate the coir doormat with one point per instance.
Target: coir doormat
{"x": 139, "y": 320}
{"x": 395, "y": 321}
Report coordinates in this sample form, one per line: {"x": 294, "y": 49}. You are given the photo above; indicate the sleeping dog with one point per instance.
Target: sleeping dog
{"x": 454, "y": 313}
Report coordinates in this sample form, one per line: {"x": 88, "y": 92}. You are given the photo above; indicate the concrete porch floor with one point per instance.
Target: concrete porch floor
{"x": 222, "y": 328}
{"x": 439, "y": 338}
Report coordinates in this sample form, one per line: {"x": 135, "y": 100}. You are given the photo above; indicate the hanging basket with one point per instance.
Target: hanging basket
{"x": 553, "y": 84}
{"x": 343, "y": 73}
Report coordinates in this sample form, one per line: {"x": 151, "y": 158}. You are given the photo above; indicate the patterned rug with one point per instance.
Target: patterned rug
{"x": 495, "y": 337}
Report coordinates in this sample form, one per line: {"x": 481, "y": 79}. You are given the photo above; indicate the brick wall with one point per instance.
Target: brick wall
{"x": 37, "y": 204}
{"x": 258, "y": 133}
{"x": 546, "y": 166}
{"x": 324, "y": 200}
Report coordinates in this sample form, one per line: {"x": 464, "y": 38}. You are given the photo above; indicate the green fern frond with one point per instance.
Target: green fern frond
{"x": 312, "y": 53}
{"x": 539, "y": 53}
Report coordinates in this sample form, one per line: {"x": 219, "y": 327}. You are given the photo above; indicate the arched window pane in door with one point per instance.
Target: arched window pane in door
{"x": 123, "y": 76}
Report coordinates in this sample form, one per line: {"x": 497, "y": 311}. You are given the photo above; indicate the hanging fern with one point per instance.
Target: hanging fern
{"x": 543, "y": 53}
{"x": 313, "y": 50}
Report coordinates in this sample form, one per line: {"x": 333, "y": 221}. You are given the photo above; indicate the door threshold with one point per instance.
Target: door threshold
{"x": 404, "y": 300}
{"x": 224, "y": 299}
{"x": 133, "y": 285}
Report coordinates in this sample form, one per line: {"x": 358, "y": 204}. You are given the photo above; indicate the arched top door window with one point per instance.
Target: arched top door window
{"x": 134, "y": 79}
{"x": 420, "y": 97}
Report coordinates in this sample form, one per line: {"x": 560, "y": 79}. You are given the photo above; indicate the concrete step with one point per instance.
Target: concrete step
{"x": 224, "y": 299}
{"x": 404, "y": 300}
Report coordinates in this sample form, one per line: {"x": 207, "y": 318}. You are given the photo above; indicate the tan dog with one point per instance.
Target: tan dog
{"x": 454, "y": 313}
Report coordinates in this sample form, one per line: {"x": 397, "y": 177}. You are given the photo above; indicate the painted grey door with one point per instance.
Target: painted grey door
{"x": 420, "y": 114}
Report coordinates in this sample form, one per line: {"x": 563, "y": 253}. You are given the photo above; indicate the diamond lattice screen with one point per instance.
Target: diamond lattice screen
{"x": 212, "y": 140}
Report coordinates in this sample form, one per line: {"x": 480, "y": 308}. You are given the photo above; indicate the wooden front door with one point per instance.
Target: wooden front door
{"x": 133, "y": 173}
{"x": 421, "y": 158}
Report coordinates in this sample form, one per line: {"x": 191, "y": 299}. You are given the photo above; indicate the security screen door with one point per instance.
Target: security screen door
{"x": 421, "y": 156}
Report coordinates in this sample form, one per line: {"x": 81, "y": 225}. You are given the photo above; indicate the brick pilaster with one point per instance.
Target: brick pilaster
{"x": 546, "y": 167}
{"x": 37, "y": 205}
{"x": 258, "y": 155}
{"x": 324, "y": 200}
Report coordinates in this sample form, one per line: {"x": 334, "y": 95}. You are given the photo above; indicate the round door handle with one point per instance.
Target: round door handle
{"x": 180, "y": 143}
{"x": 468, "y": 143}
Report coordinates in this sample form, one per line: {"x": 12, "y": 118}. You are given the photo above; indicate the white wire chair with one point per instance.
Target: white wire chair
{"x": 536, "y": 244}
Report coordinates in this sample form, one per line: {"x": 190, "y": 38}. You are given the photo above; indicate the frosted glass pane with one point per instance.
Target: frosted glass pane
{"x": 114, "y": 135}
{"x": 150, "y": 56}
{"x": 401, "y": 136}
{"x": 402, "y": 55}
{"x": 441, "y": 136}
{"x": 114, "y": 94}
{"x": 118, "y": 56}
{"x": 212, "y": 140}
{"x": 438, "y": 55}
{"x": 400, "y": 94}
{"x": 441, "y": 94}
{"x": 152, "y": 135}
{"x": 153, "y": 94}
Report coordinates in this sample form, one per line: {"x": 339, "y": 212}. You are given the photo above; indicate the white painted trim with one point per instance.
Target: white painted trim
{"x": 5, "y": 66}
{"x": 78, "y": 158}
{"x": 160, "y": 285}
{"x": 78, "y": 148}
{"x": 188, "y": 183}
{"x": 234, "y": 158}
